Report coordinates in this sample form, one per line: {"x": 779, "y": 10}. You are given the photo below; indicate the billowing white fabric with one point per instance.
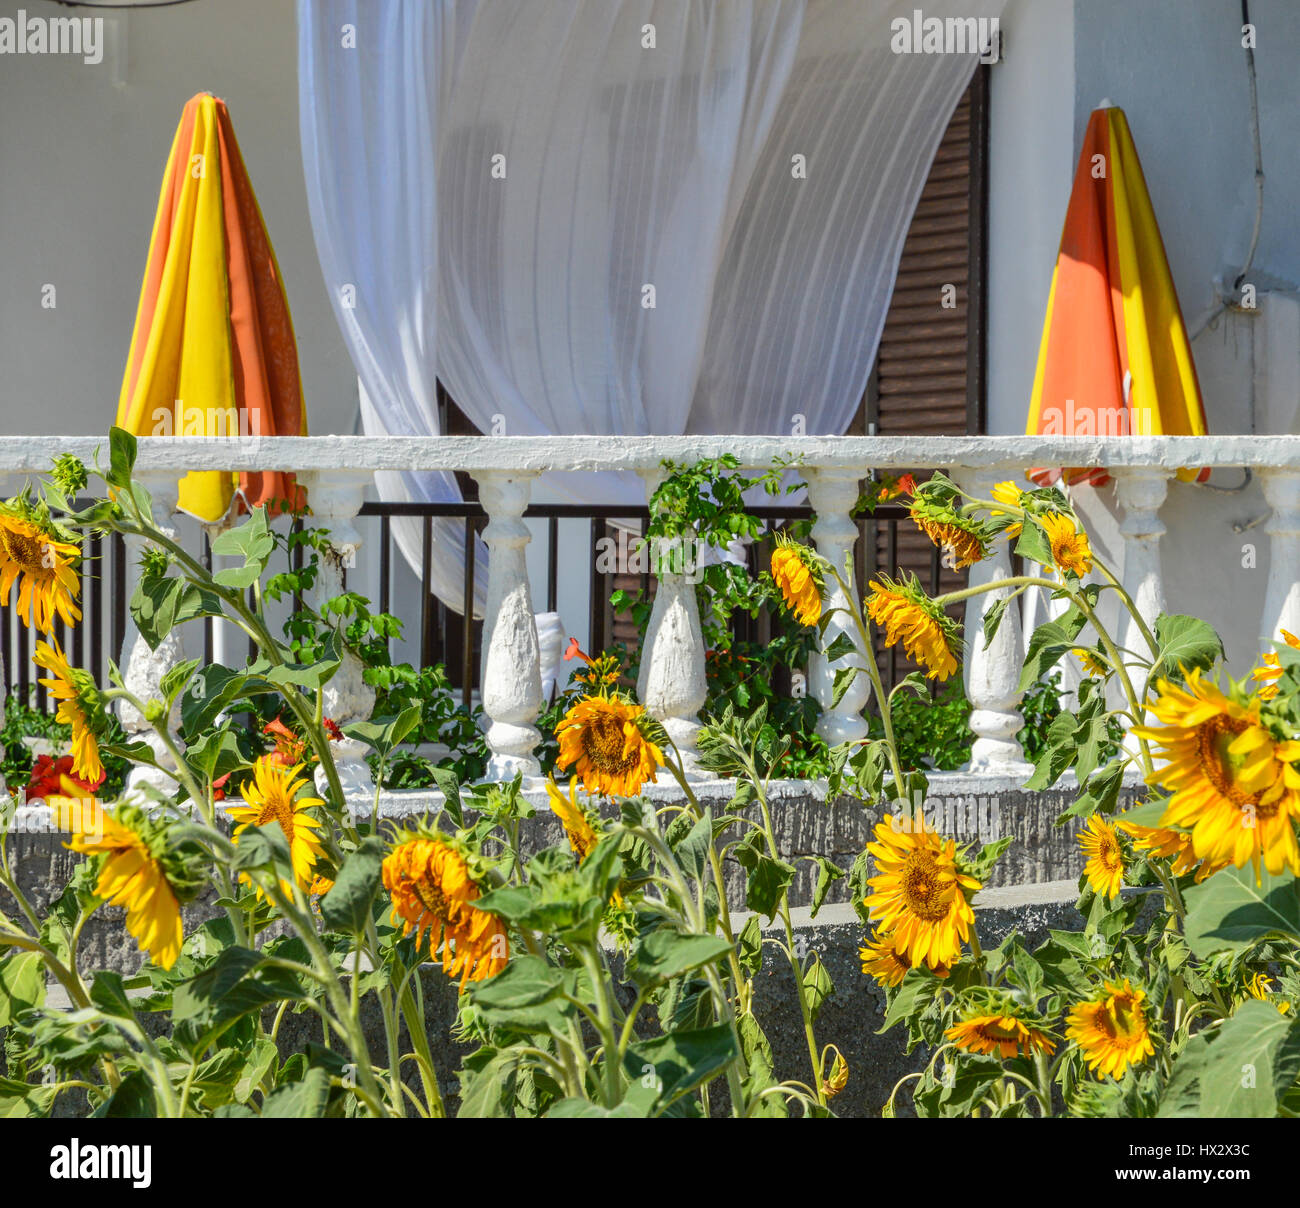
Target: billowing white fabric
{"x": 368, "y": 117}
{"x": 757, "y": 166}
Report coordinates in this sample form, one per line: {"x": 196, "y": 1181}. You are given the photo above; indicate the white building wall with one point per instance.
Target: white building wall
{"x": 1178, "y": 69}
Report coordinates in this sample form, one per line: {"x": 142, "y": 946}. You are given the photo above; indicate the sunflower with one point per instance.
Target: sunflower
{"x": 919, "y": 895}
{"x": 1070, "y": 549}
{"x": 948, "y": 529}
{"x": 886, "y": 965}
{"x": 43, "y": 568}
{"x": 582, "y": 836}
{"x": 78, "y": 707}
{"x": 273, "y": 795}
{"x": 1162, "y": 841}
{"x": 1272, "y": 668}
{"x": 929, "y": 635}
{"x": 1091, "y": 661}
{"x": 1105, "y": 867}
{"x": 1002, "y": 1033}
{"x": 600, "y": 736}
{"x": 1010, "y": 494}
{"x": 1112, "y": 1031}
{"x": 1234, "y": 786}
{"x": 132, "y": 875}
{"x": 432, "y": 890}
{"x": 795, "y": 572}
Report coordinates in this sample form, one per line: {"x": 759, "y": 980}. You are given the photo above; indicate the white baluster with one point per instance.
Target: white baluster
{"x": 143, "y": 668}
{"x": 991, "y": 677}
{"x": 833, "y": 494}
{"x": 671, "y": 684}
{"x": 511, "y": 680}
{"x": 1282, "y": 599}
{"x": 335, "y": 498}
{"x": 1141, "y": 491}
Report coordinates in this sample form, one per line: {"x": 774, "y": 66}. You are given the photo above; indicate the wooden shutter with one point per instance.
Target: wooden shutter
{"x": 928, "y": 379}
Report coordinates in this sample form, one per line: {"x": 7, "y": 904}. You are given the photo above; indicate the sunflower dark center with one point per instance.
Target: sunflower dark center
{"x": 1108, "y": 853}
{"x": 1222, "y": 768}
{"x": 1119, "y": 1018}
{"x": 24, "y": 549}
{"x": 995, "y": 1031}
{"x": 926, "y": 890}
{"x": 277, "y": 808}
{"x": 430, "y": 893}
{"x": 603, "y": 743}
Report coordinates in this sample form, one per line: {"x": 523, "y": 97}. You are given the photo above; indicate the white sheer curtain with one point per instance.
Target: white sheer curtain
{"x": 757, "y": 166}
{"x": 369, "y": 76}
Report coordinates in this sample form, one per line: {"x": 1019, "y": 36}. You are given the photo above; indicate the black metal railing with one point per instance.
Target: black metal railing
{"x": 443, "y": 635}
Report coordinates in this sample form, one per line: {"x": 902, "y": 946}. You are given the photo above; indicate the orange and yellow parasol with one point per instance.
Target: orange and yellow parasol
{"x": 213, "y": 351}
{"x": 1114, "y": 359}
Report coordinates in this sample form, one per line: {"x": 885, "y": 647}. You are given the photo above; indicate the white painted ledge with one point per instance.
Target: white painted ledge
{"x": 28, "y": 454}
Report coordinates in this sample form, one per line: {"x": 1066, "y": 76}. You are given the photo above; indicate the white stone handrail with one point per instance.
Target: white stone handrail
{"x": 337, "y": 468}
{"x": 590, "y": 453}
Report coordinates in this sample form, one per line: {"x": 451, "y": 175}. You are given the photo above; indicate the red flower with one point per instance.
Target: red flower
{"x": 219, "y": 788}
{"x": 576, "y": 652}
{"x": 48, "y": 776}
{"x": 894, "y": 487}
{"x": 332, "y": 731}
{"x": 288, "y": 746}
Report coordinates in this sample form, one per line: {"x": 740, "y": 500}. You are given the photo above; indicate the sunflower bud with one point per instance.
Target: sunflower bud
{"x": 154, "y": 711}
{"x": 69, "y": 473}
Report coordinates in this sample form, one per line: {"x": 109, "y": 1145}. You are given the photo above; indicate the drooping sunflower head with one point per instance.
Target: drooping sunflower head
{"x": 1071, "y": 551}
{"x": 79, "y": 706}
{"x": 799, "y": 573}
{"x": 602, "y": 739}
{"x": 963, "y": 536}
{"x": 142, "y": 872}
{"x": 1111, "y": 1031}
{"x": 1272, "y": 668}
{"x": 44, "y": 566}
{"x": 429, "y": 881}
{"x": 1105, "y": 867}
{"x": 581, "y": 834}
{"x": 1002, "y": 1032}
{"x": 1235, "y": 786}
{"x": 928, "y": 634}
{"x": 274, "y": 795}
{"x": 920, "y": 896}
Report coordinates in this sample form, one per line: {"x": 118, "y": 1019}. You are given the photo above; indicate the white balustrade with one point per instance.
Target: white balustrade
{"x": 671, "y": 684}
{"x": 1282, "y": 598}
{"x": 832, "y": 494}
{"x": 335, "y": 499}
{"x": 511, "y": 678}
{"x": 672, "y": 673}
{"x": 991, "y": 674}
